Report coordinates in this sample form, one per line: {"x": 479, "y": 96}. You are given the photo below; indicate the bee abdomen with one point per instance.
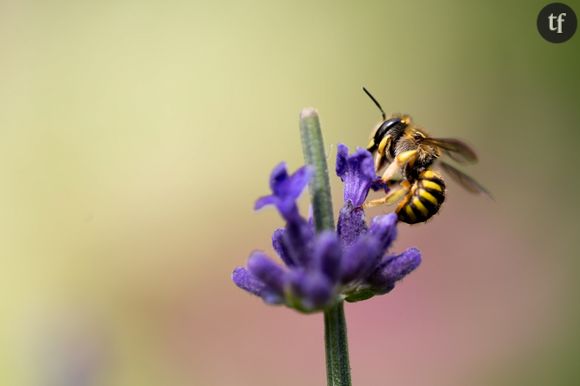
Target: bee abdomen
{"x": 424, "y": 199}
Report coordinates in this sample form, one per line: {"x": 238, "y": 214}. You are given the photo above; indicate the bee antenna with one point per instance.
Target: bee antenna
{"x": 376, "y": 103}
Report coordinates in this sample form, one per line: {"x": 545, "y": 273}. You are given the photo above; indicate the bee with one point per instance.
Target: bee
{"x": 409, "y": 155}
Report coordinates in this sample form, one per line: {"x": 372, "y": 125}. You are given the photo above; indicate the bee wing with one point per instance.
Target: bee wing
{"x": 463, "y": 179}
{"x": 455, "y": 149}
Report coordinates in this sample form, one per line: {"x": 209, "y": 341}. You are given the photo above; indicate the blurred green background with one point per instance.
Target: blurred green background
{"x": 135, "y": 136}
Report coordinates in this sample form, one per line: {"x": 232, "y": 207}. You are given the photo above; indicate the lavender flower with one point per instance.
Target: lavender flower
{"x": 322, "y": 269}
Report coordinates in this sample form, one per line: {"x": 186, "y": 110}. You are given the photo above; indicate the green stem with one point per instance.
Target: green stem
{"x": 314, "y": 155}
{"x": 335, "y": 338}
{"x": 336, "y": 342}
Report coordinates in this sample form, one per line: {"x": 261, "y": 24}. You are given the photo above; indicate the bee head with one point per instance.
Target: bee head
{"x": 393, "y": 127}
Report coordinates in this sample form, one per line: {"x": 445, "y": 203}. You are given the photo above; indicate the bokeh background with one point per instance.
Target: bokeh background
{"x": 136, "y": 135}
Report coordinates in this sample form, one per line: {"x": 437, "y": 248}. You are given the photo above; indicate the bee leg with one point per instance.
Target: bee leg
{"x": 384, "y": 144}
{"x": 379, "y": 161}
{"x": 380, "y": 156}
{"x": 398, "y": 163}
{"x": 392, "y": 197}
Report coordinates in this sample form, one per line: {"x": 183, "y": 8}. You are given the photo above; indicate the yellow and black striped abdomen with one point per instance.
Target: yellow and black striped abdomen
{"x": 424, "y": 199}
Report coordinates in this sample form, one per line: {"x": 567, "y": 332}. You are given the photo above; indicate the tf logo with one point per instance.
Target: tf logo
{"x": 557, "y": 22}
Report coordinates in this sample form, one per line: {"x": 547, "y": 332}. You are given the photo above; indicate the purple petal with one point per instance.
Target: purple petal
{"x": 246, "y": 281}
{"x": 285, "y": 190}
{"x": 280, "y": 247}
{"x": 384, "y": 229}
{"x": 328, "y": 254}
{"x": 357, "y": 171}
{"x": 268, "y": 272}
{"x": 341, "y": 159}
{"x": 288, "y": 187}
{"x": 400, "y": 266}
{"x": 393, "y": 269}
{"x": 312, "y": 290}
{"x": 351, "y": 223}
{"x": 286, "y": 207}
{"x": 297, "y": 182}
{"x": 264, "y": 201}
{"x": 360, "y": 259}
{"x": 278, "y": 177}
{"x": 297, "y": 241}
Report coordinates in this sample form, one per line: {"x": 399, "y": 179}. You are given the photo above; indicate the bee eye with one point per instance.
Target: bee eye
{"x": 385, "y": 127}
